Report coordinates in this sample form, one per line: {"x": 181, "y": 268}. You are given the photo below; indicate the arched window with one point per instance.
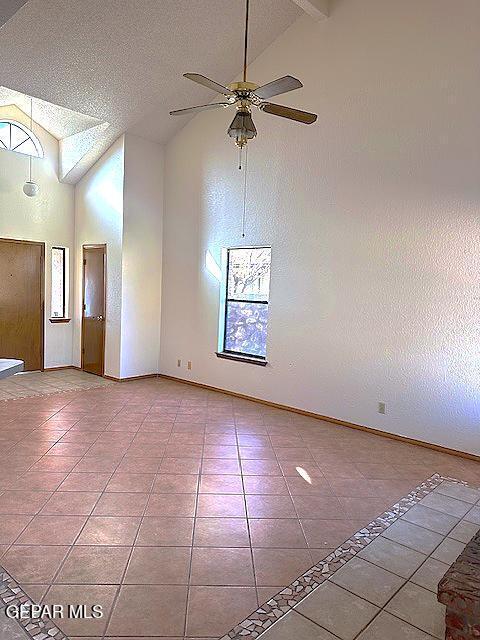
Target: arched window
{"x": 16, "y": 137}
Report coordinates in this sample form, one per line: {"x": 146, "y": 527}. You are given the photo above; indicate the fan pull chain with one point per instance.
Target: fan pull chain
{"x": 244, "y": 218}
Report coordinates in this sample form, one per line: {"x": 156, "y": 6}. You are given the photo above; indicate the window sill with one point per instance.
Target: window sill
{"x": 59, "y": 320}
{"x": 231, "y": 356}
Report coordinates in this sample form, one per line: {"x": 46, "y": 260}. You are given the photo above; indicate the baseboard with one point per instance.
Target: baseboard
{"x": 343, "y": 423}
{"x": 71, "y": 366}
{"x": 66, "y": 366}
{"x": 131, "y": 378}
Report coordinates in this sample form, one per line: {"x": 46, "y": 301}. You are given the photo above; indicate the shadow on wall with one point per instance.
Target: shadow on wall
{"x": 105, "y": 193}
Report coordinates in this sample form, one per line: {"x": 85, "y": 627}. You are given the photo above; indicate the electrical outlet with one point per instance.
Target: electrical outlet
{"x": 189, "y": 365}
{"x": 382, "y": 408}
{"x": 179, "y": 363}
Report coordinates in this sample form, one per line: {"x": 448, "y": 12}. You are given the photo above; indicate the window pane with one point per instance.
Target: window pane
{"x": 18, "y": 136}
{"x": 58, "y": 285}
{"x": 246, "y": 328}
{"x": 249, "y": 274}
{"x": 27, "y": 147}
{"x": 4, "y": 135}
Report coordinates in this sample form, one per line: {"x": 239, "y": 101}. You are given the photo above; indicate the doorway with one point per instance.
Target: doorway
{"x": 93, "y": 309}
{"x": 22, "y": 267}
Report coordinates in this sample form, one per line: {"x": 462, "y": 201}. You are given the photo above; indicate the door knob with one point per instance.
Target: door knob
{"x": 100, "y": 318}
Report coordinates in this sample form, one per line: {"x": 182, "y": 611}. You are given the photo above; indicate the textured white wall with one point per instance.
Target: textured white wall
{"x": 47, "y": 218}
{"x": 373, "y": 218}
{"x": 99, "y": 220}
{"x": 141, "y": 257}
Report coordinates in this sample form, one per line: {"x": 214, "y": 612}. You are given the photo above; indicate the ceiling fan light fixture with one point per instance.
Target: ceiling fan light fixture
{"x": 245, "y": 94}
{"x": 31, "y": 189}
{"x": 242, "y": 128}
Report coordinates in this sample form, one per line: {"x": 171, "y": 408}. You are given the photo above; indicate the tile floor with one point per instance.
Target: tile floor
{"x": 389, "y": 589}
{"x": 38, "y": 383}
{"x": 10, "y": 629}
{"x": 180, "y": 510}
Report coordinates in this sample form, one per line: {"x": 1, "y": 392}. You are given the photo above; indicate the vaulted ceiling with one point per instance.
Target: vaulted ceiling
{"x": 121, "y": 61}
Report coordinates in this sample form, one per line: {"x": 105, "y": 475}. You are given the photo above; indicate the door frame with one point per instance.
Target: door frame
{"x": 104, "y": 247}
{"x": 42, "y": 291}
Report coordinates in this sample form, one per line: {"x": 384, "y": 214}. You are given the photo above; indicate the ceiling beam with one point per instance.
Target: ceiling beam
{"x": 8, "y": 8}
{"x": 317, "y": 9}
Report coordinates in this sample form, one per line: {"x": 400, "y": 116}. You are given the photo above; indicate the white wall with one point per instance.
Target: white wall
{"x": 373, "y": 218}
{"x": 119, "y": 202}
{"x": 47, "y": 218}
{"x": 141, "y": 257}
{"x": 99, "y": 220}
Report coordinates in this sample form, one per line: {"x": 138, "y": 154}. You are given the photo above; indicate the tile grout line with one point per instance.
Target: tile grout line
{"x": 132, "y": 546}
{"x": 291, "y": 497}
{"x": 264, "y": 617}
{"x": 195, "y": 511}
{"x": 72, "y": 546}
{"x": 156, "y": 474}
{"x": 247, "y": 515}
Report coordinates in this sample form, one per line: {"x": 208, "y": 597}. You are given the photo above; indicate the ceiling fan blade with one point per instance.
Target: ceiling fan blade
{"x": 275, "y": 88}
{"x": 201, "y": 107}
{"x": 287, "y": 112}
{"x": 206, "y": 82}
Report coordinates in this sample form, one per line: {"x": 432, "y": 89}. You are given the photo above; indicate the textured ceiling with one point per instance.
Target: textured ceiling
{"x": 58, "y": 121}
{"x": 121, "y": 61}
{"x": 8, "y": 8}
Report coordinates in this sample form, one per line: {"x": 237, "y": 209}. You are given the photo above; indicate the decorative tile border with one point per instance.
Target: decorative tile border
{"x": 275, "y": 608}
{"x": 36, "y": 628}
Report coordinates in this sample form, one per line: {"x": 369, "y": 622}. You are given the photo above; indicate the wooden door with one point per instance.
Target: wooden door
{"x": 22, "y": 302}
{"x": 93, "y": 315}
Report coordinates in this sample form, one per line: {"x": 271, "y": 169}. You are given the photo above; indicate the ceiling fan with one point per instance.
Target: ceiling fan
{"x": 244, "y": 95}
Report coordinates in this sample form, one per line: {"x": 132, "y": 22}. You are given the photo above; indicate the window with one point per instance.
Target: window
{"x": 59, "y": 278}
{"x": 16, "y": 137}
{"x": 246, "y": 302}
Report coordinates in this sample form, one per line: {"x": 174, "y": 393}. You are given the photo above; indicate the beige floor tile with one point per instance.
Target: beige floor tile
{"x": 213, "y": 611}
{"x": 35, "y": 564}
{"x": 165, "y": 532}
{"x": 392, "y": 557}
{"x": 420, "y": 608}
{"x": 145, "y": 419}
{"x": 388, "y": 627}
{"x": 368, "y": 581}
{"x": 445, "y": 504}
{"x": 413, "y": 536}
{"x": 149, "y": 610}
{"x": 284, "y": 533}
{"x": 230, "y": 567}
{"x": 337, "y": 610}
{"x": 280, "y": 566}
{"x": 94, "y": 565}
{"x": 459, "y": 491}
{"x": 82, "y": 594}
{"x": 221, "y": 532}
{"x": 473, "y": 516}
{"x": 158, "y": 565}
{"x": 295, "y": 626}
{"x": 430, "y": 519}
{"x": 464, "y": 531}
{"x": 429, "y": 574}
{"x": 448, "y": 551}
